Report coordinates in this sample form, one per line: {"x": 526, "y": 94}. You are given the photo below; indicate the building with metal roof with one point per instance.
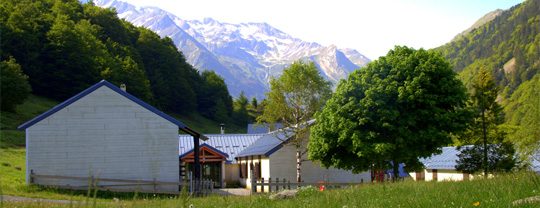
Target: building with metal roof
{"x": 230, "y": 144}
{"x": 226, "y": 145}
{"x": 441, "y": 167}
{"x": 272, "y": 156}
{"x": 104, "y": 132}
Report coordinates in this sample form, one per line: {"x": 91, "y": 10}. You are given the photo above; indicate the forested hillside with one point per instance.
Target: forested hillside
{"x": 509, "y": 47}
{"x": 64, "y": 46}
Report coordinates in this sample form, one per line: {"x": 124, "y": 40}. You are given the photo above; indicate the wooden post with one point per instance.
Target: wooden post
{"x": 284, "y": 183}
{"x": 269, "y": 185}
{"x": 253, "y": 185}
{"x": 277, "y": 184}
{"x": 288, "y": 184}
{"x": 196, "y": 164}
{"x": 262, "y": 186}
{"x": 32, "y": 176}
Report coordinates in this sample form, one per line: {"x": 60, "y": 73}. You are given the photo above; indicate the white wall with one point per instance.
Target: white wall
{"x": 105, "y": 135}
{"x": 442, "y": 175}
{"x": 283, "y": 165}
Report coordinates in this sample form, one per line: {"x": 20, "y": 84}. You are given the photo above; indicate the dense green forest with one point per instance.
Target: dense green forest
{"x": 64, "y": 46}
{"x": 509, "y": 48}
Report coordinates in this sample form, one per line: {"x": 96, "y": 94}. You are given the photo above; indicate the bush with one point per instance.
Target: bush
{"x": 14, "y": 85}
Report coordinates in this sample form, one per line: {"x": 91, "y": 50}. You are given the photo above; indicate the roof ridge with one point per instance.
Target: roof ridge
{"x": 91, "y": 89}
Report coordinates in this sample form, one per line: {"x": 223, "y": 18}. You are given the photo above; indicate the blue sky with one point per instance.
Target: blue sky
{"x": 371, "y": 27}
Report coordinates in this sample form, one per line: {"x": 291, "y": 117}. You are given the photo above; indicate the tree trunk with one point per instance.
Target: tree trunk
{"x": 298, "y": 165}
{"x": 485, "y": 161}
{"x": 395, "y": 168}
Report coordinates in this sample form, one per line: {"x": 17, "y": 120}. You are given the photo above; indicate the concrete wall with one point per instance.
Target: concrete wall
{"x": 232, "y": 173}
{"x": 104, "y": 135}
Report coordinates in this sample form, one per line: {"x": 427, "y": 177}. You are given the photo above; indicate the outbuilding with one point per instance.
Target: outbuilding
{"x": 272, "y": 156}
{"x": 104, "y": 132}
{"x": 441, "y": 167}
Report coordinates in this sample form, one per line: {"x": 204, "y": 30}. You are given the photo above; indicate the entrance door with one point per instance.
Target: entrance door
{"x": 212, "y": 171}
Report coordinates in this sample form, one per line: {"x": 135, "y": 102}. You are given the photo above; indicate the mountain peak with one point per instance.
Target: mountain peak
{"x": 246, "y": 55}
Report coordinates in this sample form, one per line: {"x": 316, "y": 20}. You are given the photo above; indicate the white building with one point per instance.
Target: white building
{"x": 272, "y": 157}
{"x": 441, "y": 167}
{"x": 103, "y": 132}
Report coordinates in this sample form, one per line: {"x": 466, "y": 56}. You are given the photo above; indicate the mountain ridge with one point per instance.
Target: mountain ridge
{"x": 247, "y": 55}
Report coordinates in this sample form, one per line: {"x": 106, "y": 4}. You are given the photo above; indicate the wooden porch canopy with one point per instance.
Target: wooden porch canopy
{"x": 207, "y": 153}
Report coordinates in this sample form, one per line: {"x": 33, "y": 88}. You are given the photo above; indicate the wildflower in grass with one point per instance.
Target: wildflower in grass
{"x": 321, "y": 188}
{"x": 476, "y": 204}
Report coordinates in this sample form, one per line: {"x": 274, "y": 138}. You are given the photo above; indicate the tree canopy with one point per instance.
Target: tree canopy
{"x": 65, "y": 46}
{"x": 489, "y": 151}
{"x": 403, "y": 106}
{"x": 14, "y": 87}
{"x": 293, "y": 99}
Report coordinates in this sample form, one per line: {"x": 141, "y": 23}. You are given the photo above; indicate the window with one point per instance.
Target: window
{"x": 257, "y": 171}
{"x": 243, "y": 170}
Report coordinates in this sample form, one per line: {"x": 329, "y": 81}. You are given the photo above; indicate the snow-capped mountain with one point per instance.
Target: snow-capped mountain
{"x": 246, "y": 55}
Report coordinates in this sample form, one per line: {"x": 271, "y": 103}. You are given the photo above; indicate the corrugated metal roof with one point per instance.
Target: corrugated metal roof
{"x": 271, "y": 142}
{"x": 261, "y": 128}
{"x": 265, "y": 145}
{"x": 447, "y": 160}
{"x": 231, "y": 144}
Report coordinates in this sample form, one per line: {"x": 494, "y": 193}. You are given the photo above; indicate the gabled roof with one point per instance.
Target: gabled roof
{"x": 202, "y": 146}
{"x": 231, "y": 144}
{"x": 265, "y": 145}
{"x": 271, "y": 142}
{"x": 96, "y": 86}
{"x": 447, "y": 160}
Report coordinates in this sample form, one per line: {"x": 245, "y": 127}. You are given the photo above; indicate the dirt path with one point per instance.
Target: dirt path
{"x": 36, "y": 200}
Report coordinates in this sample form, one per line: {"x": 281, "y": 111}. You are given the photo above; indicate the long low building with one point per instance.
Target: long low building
{"x": 442, "y": 167}
{"x": 233, "y": 158}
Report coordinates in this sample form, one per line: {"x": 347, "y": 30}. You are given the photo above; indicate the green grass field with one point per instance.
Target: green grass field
{"x": 500, "y": 191}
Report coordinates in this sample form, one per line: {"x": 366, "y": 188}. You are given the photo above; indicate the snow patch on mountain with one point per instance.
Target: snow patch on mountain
{"x": 246, "y": 55}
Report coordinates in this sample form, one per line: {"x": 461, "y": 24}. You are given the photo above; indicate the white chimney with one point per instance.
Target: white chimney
{"x": 222, "y": 128}
{"x": 123, "y": 87}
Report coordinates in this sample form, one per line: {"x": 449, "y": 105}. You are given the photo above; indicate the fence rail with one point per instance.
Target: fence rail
{"x": 277, "y": 184}
{"x": 199, "y": 187}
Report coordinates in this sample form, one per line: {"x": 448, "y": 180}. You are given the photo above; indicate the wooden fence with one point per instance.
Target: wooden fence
{"x": 282, "y": 184}
{"x": 199, "y": 187}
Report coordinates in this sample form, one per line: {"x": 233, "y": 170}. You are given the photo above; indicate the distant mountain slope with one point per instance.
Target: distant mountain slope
{"x": 509, "y": 45}
{"x": 482, "y": 21}
{"x": 245, "y": 54}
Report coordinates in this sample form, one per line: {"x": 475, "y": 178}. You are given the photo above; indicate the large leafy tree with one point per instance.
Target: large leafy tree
{"x": 293, "y": 100}
{"x": 403, "y": 106}
{"x": 498, "y": 155}
{"x": 14, "y": 87}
